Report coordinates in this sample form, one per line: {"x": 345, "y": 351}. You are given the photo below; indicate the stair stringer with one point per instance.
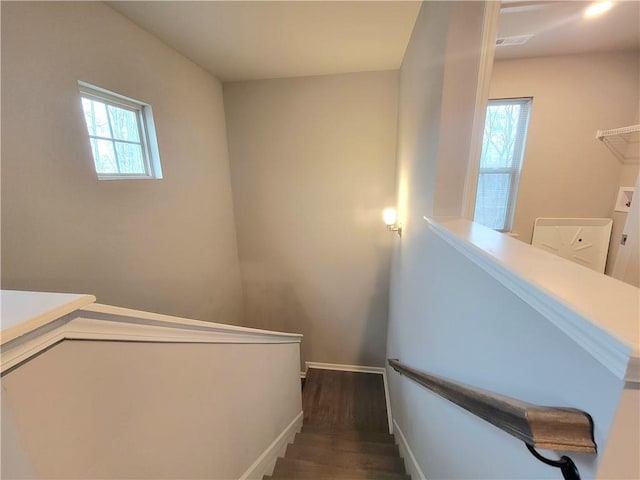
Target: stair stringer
{"x": 410, "y": 462}
{"x": 266, "y": 462}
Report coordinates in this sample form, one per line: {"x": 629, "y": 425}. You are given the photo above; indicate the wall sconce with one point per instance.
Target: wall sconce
{"x": 390, "y": 216}
{"x": 596, "y": 9}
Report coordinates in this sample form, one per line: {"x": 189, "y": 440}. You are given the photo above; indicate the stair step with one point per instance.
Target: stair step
{"x": 328, "y": 455}
{"x": 345, "y": 445}
{"x": 345, "y": 434}
{"x": 290, "y": 469}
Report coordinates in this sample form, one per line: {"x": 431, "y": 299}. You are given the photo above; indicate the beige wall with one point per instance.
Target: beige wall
{"x": 567, "y": 172}
{"x": 620, "y": 457}
{"x": 161, "y": 245}
{"x": 118, "y": 410}
{"x": 312, "y": 168}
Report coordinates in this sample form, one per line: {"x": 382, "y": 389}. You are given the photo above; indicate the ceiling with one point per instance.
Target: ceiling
{"x": 242, "y": 40}
{"x": 245, "y": 40}
{"x": 560, "y": 28}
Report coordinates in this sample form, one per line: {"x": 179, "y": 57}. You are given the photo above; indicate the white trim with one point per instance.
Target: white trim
{"x": 266, "y": 462}
{"x": 358, "y": 369}
{"x": 103, "y": 322}
{"x": 303, "y": 374}
{"x": 387, "y": 399}
{"x": 489, "y": 35}
{"x": 116, "y": 329}
{"x": 344, "y": 368}
{"x": 87, "y": 328}
{"x": 538, "y": 278}
{"x": 99, "y": 92}
{"x": 413, "y": 469}
{"x": 52, "y": 306}
{"x": 10, "y": 357}
{"x": 179, "y": 322}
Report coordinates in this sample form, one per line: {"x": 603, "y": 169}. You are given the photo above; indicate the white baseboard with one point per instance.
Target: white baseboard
{"x": 358, "y": 369}
{"x": 266, "y": 462}
{"x": 344, "y": 368}
{"x": 410, "y": 461}
{"x": 387, "y": 400}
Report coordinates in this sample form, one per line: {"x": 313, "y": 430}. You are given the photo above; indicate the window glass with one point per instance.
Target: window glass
{"x": 500, "y": 136}
{"x": 120, "y": 133}
{"x": 130, "y": 157}
{"x": 124, "y": 124}
{"x": 501, "y": 161}
{"x": 104, "y": 156}
{"x": 95, "y": 114}
{"x": 493, "y": 199}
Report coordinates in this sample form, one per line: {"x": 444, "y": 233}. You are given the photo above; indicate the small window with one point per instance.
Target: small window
{"x": 121, "y": 133}
{"x": 505, "y": 133}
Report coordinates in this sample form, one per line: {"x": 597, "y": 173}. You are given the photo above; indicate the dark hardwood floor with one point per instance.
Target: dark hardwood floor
{"x": 345, "y": 435}
{"x": 345, "y": 400}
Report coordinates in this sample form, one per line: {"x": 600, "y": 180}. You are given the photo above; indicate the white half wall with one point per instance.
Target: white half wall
{"x": 165, "y": 245}
{"x": 457, "y": 321}
{"x": 140, "y": 410}
{"x": 312, "y": 167}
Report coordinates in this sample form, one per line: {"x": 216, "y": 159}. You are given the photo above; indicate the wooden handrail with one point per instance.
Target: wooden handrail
{"x": 550, "y": 428}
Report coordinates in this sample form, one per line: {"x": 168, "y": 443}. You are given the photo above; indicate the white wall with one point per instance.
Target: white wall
{"x": 449, "y": 317}
{"x": 434, "y": 110}
{"x": 135, "y": 410}
{"x": 458, "y": 321}
{"x": 567, "y": 172}
{"x": 312, "y": 164}
{"x": 627, "y": 261}
{"x": 628, "y": 178}
{"x": 161, "y": 245}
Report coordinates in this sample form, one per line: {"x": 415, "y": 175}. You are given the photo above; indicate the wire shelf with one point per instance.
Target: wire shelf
{"x": 623, "y": 142}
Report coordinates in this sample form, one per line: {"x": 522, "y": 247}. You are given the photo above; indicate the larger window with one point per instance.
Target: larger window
{"x": 121, "y": 133}
{"x": 505, "y": 133}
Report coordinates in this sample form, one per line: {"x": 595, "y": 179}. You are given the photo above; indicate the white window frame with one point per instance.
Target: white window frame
{"x": 146, "y": 132}
{"x": 518, "y": 156}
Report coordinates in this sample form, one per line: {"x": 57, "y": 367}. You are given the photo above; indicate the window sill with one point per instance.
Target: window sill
{"x": 128, "y": 177}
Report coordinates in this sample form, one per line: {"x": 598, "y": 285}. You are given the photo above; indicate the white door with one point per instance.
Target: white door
{"x": 627, "y": 264}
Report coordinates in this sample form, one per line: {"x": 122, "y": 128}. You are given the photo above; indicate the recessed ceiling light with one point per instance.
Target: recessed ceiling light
{"x": 597, "y": 8}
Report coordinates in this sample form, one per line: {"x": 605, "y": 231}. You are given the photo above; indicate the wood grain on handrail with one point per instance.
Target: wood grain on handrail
{"x": 550, "y": 428}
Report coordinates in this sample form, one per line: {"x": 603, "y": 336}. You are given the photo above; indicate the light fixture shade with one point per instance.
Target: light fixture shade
{"x": 389, "y": 215}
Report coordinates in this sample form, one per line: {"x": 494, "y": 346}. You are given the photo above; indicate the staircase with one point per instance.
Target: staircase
{"x": 344, "y": 435}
